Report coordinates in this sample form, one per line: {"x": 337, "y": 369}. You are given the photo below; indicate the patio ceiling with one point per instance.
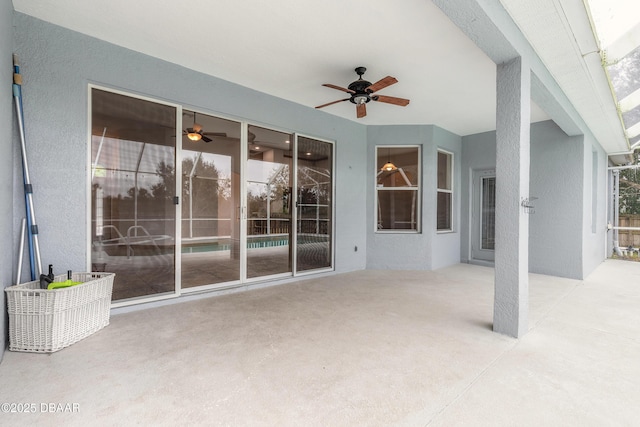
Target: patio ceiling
{"x": 290, "y": 50}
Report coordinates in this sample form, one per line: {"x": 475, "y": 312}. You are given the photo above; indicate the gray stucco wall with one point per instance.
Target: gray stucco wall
{"x": 425, "y": 250}
{"x": 6, "y": 157}
{"x": 561, "y": 241}
{"x": 555, "y": 229}
{"x": 58, "y": 65}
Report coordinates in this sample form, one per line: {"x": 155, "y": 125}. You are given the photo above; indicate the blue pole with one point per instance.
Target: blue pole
{"x": 32, "y": 229}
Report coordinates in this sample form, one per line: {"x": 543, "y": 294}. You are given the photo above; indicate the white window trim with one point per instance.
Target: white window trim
{"x": 444, "y": 190}
{"x": 417, "y": 188}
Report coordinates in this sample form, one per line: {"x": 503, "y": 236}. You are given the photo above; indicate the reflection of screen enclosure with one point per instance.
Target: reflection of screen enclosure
{"x": 315, "y": 204}
{"x": 132, "y": 191}
{"x": 210, "y": 196}
{"x": 268, "y": 180}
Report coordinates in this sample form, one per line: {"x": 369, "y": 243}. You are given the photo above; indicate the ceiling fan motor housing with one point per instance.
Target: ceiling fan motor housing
{"x": 359, "y": 87}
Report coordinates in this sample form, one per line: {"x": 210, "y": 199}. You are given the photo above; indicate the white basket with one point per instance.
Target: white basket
{"x": 44, "y": 321}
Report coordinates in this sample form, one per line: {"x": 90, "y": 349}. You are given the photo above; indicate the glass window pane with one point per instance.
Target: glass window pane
{"x": 488, "y": 213}
{"x": 397, "y": 166}
{"x": 444, "y": 211}
{"x": 445, "y": 197}
{"x": 444, "y": 171}
{"x": 398, "y": 210}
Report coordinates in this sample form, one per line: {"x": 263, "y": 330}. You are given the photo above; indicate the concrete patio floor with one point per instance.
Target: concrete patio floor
{"x": 369, "y": 348}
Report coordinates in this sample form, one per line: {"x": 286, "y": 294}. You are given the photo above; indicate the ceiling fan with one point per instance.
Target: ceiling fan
{"x": 195, "y": 132}
{"x": 363, "y": 91}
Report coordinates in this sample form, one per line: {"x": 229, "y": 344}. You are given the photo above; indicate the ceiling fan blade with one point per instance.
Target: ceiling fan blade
{"x": 220, "y": 134}
{"x": 188, "y": 130}
{"x": 391, "y": 100}
{"x": 333, "y": 102}
{"x": 206, "y": 138}
{"x": 361, "y": 110}
{"x": 338, "y": 87}
{"x": 381, "y": 84}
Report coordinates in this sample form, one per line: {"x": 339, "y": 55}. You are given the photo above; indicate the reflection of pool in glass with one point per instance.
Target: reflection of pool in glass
{"x": 252, "y": 243}
{"x": 256, "y": 242}
{"x": 207, "y": 247}
{"x": 266, "y": 241}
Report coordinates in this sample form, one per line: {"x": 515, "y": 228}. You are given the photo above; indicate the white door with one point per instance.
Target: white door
{"x": 483, "y": 215}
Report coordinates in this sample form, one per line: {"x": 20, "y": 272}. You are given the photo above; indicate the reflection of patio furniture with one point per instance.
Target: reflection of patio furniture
{"x": 132, "y": 240}
{"x": 143, "y": 240}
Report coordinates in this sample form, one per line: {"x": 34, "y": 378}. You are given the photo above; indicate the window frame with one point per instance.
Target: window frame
{"x": 417, "y": 188}
{"x": 450, "y": 191}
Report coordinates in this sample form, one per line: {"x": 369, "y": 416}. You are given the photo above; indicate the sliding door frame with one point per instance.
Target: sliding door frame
{"x": 178, "y": 172}
{"x": 244, "y": 233}
{"x": 240, "y": 211}
{"x": 295, "y": 202}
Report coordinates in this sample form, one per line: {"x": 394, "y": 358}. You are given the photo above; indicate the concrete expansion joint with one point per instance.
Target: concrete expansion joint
{"x": 477, "y": 378}
{"x": 602, "y": 331}
{"x": 546, "y": 315}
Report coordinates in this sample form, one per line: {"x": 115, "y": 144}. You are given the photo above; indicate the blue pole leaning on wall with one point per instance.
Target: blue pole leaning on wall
{"x": 32, "y": 229}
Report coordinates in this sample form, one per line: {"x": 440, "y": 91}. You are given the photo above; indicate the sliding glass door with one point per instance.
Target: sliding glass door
{"x": 210, "y": 197}
{"x": 268, "y": 202}
{"x": 133, "y": 181}
{"x": 183, "y": 201}
{"x": 314, "y": 189}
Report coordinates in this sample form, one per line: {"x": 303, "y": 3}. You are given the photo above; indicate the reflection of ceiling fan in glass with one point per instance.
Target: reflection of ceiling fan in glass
{"x": 195, "y": 132}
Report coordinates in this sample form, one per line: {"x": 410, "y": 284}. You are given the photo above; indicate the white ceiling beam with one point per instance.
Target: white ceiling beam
{"x": 623, "y": 46}
{"x": 633, "y": 131}
{"x": 630, "y": 101}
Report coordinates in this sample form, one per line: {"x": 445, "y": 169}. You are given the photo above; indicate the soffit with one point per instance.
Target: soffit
{"x": 560, "y": 32}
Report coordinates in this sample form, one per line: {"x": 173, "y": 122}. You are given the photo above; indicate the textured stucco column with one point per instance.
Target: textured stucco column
{"x": 511, "y": 304}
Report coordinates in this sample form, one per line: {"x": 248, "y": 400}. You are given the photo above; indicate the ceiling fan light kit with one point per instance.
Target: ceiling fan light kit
{"x": 362, "y": 92}
{"x": 389, "y": 167}
{"x": 195, "y": 133}
{"x": 194, "y": 136}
